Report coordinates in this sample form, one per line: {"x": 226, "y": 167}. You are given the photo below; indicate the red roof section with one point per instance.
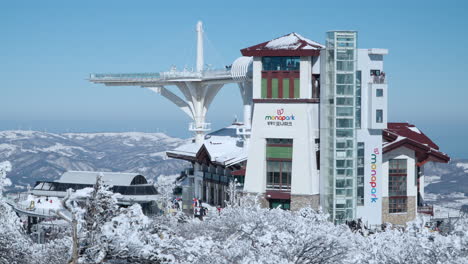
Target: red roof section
{"x": 412, "y": 132}
{"x": 291, "y": 44}
{"x": 407, "y": 135}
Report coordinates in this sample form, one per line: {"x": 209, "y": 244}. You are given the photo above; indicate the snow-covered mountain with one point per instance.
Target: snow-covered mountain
{"x": 447, "y": 178}
{"x": 45, "y": 156}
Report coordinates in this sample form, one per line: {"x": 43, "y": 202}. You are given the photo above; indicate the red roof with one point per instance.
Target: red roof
{"x": 411, "y": 131}
{"x": 407, "y": 135}
{"x": 291, "y": 44}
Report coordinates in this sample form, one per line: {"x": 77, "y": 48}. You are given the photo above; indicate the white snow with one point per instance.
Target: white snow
{"x": 7, "y": 149}
{"x": 462, "y": 165}
{"x": 35, "y": 202}
{"x": 431, "y": 179}
{"x": 61, "y": 149}
{"x": 415, "y": 129}
{"x": 291, "y": 41}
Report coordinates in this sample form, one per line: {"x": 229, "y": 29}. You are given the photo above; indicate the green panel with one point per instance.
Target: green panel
{"x": 274, "y": 88}
{"x": 296, "y": 88}
{"x": 285, "y": 88}
{"x": 279, "y": 152}
{"x": 264, "y": 87}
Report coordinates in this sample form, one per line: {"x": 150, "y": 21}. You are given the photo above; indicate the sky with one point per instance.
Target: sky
{"x": 49, "y": 48}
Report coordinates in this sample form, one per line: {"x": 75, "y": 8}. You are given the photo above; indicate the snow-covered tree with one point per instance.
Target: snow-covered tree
{"x": 5, "y": 167}
{"x": 165, "y": 186}
{"x": 98, "y": 209}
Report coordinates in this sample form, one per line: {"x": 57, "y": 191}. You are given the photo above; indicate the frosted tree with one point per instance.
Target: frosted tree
{"x": 165, "y": 186}
{"x": 13, "y": 241}
{"x": 5, "y": 167}
{"x": 100, "y": 207}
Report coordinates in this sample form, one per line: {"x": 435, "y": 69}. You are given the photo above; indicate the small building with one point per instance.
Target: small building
{"x": 133, "y": 187}
{"x": 215, "y": 162}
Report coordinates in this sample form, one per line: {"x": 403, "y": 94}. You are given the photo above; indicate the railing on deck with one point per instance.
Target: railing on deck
{"x": 155, "y": 76}
{"x": 428, "y": 209}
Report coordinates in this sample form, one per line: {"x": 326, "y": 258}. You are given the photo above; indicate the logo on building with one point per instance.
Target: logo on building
{"x": 280, "y": 119}
{"x": 373, "y": 179}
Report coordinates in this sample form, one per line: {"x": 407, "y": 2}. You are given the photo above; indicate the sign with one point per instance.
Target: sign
{"x": 280, "y": 119}
{"x": 373, "y": 178}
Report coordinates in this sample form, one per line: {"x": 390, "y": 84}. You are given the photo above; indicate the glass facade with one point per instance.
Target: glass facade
{"x": 339, "y": 149}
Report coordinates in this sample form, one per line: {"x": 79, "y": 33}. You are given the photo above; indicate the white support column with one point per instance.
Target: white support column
{"x": 200, "y": 60}
{"x": 187, "y": 108}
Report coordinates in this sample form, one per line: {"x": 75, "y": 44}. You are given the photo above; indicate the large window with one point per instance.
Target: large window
{"x": 279, "y": 163}
{"x": 280, "y": 63}
{"x": 397, "y": 187}
{"x": 279, "y": 175}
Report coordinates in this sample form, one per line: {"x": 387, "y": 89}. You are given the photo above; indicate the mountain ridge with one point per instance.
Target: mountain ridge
{"x": 37, "y": 155}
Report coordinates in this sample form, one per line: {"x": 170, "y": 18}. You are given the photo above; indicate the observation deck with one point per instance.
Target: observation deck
{"x": 162, "y": 78}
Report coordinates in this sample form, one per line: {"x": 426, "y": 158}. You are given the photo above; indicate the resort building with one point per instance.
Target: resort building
{"x": 314, "y": 131}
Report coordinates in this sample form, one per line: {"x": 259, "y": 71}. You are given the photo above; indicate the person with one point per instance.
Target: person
{"x": 374, "y": 77}
{"x": 202, "y": 212}
{"x": 382, "y": 77}
{"x": 218, "y": 208}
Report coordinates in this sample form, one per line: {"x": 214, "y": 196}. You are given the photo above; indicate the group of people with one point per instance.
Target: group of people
{"x": 380, "y": 78}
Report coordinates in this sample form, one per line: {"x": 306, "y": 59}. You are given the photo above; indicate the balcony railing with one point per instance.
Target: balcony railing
{"x": 160, "y": 76}
{"x": 378, "y": 80}
{"x": 428, "y": 209}
{"x": 203, "y": 127}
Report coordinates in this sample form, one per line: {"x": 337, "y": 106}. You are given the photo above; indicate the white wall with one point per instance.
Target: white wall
{"x": 257, "y": 77}
{"x": 365, "y": 63}
{"x": 305, "y": 78}
{"x": 409, "y": 155}
{"x": 303, "y": 131}
{"x": 371, "y": 212}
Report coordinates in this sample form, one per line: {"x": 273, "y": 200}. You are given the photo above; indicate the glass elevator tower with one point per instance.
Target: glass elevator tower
{"x": 338, "y": 125}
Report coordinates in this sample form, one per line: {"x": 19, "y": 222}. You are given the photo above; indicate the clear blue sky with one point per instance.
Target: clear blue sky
{"x": 48, "y": 48}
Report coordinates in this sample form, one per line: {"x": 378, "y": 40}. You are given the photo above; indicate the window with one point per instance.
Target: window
{"x": 379, "y": 116}
{"x": 279, "y": 163}
{"x": 280, "y": 63}
{"x": 379, "y": 92}
{"x": 360, "y": 173}
{"x": 397, "y": 205}
{"x": 397, "y": 185}
{"x": 280, "y": 203}
{"x": 279, "y": 174}
{"x": 374, "y": 72}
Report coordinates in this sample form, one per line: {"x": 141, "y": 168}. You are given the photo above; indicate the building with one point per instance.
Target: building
{"x": 133, "y": 187}
{"x": 314, "y": 131}
{"x": 319, "y": 136}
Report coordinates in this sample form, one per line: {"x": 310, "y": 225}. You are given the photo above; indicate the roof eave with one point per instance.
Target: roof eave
{"x": 279, "y": 52}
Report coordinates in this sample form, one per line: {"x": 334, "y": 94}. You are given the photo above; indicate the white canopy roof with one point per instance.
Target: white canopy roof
{"x": 89, "y": 177}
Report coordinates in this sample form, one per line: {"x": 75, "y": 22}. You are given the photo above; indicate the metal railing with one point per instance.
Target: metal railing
{"x": 378, "y": 80}
{"x": 428, "y": 209}
{"x": 200, "y": 127}
{"x": 155, "y": 76}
